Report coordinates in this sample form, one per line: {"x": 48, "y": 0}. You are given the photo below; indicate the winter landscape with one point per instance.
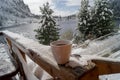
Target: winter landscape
{"x": 16, "y": 16}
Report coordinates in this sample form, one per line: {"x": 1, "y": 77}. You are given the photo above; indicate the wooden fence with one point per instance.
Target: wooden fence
{"x": 20, "y": 46}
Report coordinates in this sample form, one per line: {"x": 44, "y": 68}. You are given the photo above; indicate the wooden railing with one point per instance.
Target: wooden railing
{"x": 20, "y": 46}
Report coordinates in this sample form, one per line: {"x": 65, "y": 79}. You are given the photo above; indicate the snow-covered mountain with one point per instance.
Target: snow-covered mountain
{"x": 13, "y": 11}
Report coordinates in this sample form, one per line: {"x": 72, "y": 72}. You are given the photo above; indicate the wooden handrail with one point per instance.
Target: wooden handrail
{"x": 43, "y": 56}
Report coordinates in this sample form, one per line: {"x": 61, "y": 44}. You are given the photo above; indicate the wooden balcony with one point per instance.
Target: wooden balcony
{"x": 20, "y": 46}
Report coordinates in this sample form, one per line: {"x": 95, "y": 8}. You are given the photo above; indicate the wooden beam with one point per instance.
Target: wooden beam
{"x": 107, "y": 66}
{"x": 91, "y": 75}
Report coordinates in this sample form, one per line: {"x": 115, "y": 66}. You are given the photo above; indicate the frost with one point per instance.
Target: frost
{"x": 105, "y": 9}
{"x": 110, "y": 11}
{"x": 80, "y": 23}
{"x": 103, "y": 17}
{"x": 102, "y": 13}
{"x": 84, "y": 21}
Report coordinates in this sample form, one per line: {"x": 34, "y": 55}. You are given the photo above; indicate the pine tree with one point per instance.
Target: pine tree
{"x": 83, "y": 22}
{"x": 104, "y": 18}
{"x": 94, "y": 22}
{"x": 47, "y": 31}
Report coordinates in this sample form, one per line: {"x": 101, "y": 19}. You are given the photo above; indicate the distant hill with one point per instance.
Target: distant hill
{"x": 13, "y": 10}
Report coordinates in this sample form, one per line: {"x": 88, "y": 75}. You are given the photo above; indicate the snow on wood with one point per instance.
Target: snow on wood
{"x": 76, "y": 61}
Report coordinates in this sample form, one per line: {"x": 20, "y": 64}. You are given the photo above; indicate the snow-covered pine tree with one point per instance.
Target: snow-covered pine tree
{"x": 47, "y": 32}
{"x": 104, "y": 18}
{"x": 83, "y": 22}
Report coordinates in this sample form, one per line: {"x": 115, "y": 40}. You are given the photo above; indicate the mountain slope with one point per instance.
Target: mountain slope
{"x": 13, "y": 10}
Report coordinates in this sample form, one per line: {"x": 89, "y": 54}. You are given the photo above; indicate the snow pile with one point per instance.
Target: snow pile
{"x": 100, "y": 47}
{"x": 77, "y": 60}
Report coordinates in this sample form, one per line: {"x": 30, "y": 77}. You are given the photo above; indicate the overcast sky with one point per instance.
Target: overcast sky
{"x": 60, "y": 7}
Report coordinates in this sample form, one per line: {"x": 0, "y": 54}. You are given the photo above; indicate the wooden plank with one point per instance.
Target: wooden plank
{"x": 15, "y": 57}
{"x": 107, "y": 67}
{"x": 91, "y": 75}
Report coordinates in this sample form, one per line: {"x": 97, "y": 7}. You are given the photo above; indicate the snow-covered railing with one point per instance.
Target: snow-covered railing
{"x": 20, "y": 46}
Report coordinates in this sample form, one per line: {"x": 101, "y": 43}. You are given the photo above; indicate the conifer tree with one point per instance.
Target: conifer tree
{"x": 47, "y": 31}
{"x": 95, "y": 21}
{"x": 83, "y": 22}
{"x": 104, "y": 18}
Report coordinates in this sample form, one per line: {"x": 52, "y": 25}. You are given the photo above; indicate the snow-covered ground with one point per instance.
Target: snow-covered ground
{"x": 19, "y": 21}
{"x": 3, "y": 53}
